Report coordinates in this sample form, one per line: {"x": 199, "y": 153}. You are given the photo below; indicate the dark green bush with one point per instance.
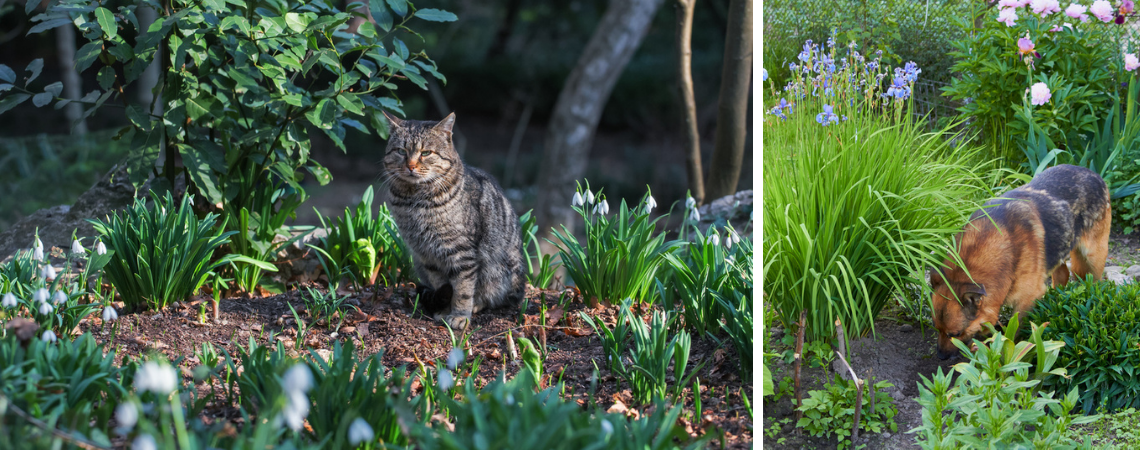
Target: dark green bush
{"x": 1099, "y": 322}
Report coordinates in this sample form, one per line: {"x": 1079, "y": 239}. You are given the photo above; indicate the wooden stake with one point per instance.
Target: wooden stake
{"x": 858, "y": 396}
{"x": 797, "y": 364}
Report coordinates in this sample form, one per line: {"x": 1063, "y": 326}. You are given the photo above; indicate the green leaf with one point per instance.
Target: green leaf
{"x": 351, "y": 103}
{"x": 106, "y": 77}
{"x": 35, "y": 67}
{"x": 54, "y": 89}
{"x": 139, "y": 117}
{"x": 296, "y": 22}
{"x": 436, "y": 15}
{"x": 41, "y": 99}
{"x": 200, "y": 106}
{"x": 200, "y": 172}
{"x": 107, "y": 21}
{"x": 48, "y": 24}
{"x": 322, "y": 174}
{"x": 400, "y": 7}
{"x": 7, "y": 74}
{"x": 381, "y": 15}
{"x": 87, "y": 55}
{"x": 254, "y": 262}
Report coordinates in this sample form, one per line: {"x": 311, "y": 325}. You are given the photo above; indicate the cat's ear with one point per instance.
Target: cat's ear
{"x": 395, "y": 121}
{"x": 446, "y": 124}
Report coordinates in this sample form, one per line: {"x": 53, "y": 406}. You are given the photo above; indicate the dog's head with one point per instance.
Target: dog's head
{"x": 957, "y": 312}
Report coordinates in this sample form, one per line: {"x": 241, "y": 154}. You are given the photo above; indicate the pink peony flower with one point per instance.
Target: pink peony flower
{"x": 1102, "y": 10}
{"x": 1131, "y": 62}
{"x": 1008, "y": 16}
{"x": 1012, "y": 3}
{"x": 1039, "y": 94}
{"x": 1044, "y": 7}
{"x": 1077, "y": 11}
{"x": 1024, "y": 45}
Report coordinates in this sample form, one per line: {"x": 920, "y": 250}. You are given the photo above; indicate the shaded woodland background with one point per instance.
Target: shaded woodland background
{"x": 505, "y": 61}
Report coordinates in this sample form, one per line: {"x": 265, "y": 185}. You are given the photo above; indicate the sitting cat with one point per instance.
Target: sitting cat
{"x": 464, "y": 235}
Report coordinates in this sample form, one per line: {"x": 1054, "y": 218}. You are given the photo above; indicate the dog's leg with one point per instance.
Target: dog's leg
{"x": 1061, "y": 275}
{"x": 1092, "y": 248}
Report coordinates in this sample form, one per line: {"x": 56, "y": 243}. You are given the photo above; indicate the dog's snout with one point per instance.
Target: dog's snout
{"x": 944, "y": 355}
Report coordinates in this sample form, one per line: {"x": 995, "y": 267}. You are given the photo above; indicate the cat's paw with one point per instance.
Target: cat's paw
{"x": 457, "y": 322}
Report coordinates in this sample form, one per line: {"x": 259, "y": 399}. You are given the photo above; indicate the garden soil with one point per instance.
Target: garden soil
{"x": 388, "y": 322}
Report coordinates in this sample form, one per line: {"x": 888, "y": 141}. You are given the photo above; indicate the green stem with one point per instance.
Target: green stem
{"x": 179, "y": 421}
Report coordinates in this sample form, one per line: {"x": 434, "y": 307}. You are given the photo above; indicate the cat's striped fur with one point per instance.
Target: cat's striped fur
{"x": 463, "y": 233}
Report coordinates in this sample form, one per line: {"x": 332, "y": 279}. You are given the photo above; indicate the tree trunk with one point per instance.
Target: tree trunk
{"x": 685, "y": 77}
{"x": 579, "y": 108}
{"x": 149, "y": 78}
{"x": 731, "y": 124}
{"x": 72, "y": 84}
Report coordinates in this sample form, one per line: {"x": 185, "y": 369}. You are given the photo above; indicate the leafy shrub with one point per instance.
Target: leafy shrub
{"x": 1078, "y": 63}
{"x": 853, "y": 209}
{"x": 365, "y": 247}
{"x": 622, "y": 253}
{"x": 996, "y": 400}
{"x": 1099, "y": 322}
{"x": 831, "y": 411}
{"x": 164, "y": 252}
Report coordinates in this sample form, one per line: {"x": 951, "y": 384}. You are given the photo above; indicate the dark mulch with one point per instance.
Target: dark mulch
{"x": 386, "y": 323}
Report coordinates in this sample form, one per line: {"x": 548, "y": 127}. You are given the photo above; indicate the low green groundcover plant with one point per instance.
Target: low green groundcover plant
{"x": 367, "y": 248}
{"x": 1116, "y": 431}
{"x": 831, "y": 411}
{"x": 1099, "y": 322}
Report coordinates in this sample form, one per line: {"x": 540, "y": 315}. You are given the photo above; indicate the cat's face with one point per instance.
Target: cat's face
{"x": 419, "y": 151}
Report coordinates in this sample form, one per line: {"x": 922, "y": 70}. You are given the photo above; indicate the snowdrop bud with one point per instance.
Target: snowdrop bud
{"x": 126, "y": 414}
{"x": 59, "y": 297}
{"x": 577, "y": 200}
{"x": 49, "y": 272}
{"x": 109, "y": 314}
{"x": 605, "y": 207}
{"x": 49, "y": 336}
{"x": 41, "y": 295}
{"x": 144, "y": 442}
{"x": 100, "y": 249}
{"x": 694, "y": 215}
{"x": 650, "y": 203}
{"x": 735, "y": 237}
{"x": 160, "y": 379}
{"x": 77, "y": 247}
{"x": 38, "y": 250}
{"x": 589, "y": 197}
{"x": 296, "y": 409}
{"x": 9, "y": 300}
{"x": 607, "y": 427}
{"x": 713, "y": 239}
{"x": 45, "y": 308}
{"x": 298, "y": 378}
{"x": 454, "y": 358}
{"x": 445, "y": 380}
{"x": 359, "y": 432}
{"x": 728, "y": 242}
{"x": 690, "y": 203}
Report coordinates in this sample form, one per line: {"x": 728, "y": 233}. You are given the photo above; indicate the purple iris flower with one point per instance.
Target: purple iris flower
{"x": 827, "y": 117}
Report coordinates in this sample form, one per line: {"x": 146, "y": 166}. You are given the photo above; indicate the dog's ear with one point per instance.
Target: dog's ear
{"x": 936, "y": 276}
{"x": 972, "y": 293}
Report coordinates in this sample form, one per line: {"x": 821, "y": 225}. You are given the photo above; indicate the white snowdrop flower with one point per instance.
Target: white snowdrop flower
{"x": 298, "y": 378}
{"x": 713, "y": 239}
{"x": 144, "y": 442}
{"x": 49, "y": 336}
{"x": 690, "y": 203}
{"x": 577, "y": 200}
{"x": 38, "y": 250}
{"x": 650, "y": 203}
{"x": 296, "y": 409}
{"x": 109, "y": 314}
{"x": 59, "y": 297}
{"x": 589, "y": 197}
{"x": 158, "y": 378}
{"x": 359, "y": 432}
{"x": 728, "y": 242}
{"x": 510, "y": 399}
{"x": 694, "y": 215}
{"x": 100, "y": 249}
{"x": 605, "y": 207}
{"x": 446, "y": 381}
{"x": 9, "y": 300}
{"x": 41, "y": 295}
{"x": 597, "y": 209}
{"x": 607, "y": 427}
{"x": 49, "y": 272}
{"x": 126, "y": 414}
{"x": 454, "y": 358}
{"x": 77, "y": 247}
{"x": 45, "y": 308}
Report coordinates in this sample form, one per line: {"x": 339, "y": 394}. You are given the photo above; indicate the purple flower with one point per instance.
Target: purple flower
{"x": 763, "y": 74}
{"x": 911, "y": 71}
{"x": 827, "y": 117}
{"x": 1024, "y": 45}
{"x": 1126, "y": 7}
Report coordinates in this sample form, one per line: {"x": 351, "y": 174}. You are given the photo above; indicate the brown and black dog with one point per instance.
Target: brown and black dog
{"x": 1014, "y": 242}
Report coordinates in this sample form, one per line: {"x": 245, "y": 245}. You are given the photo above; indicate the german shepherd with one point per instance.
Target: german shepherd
{"x": 1013, "y": 243}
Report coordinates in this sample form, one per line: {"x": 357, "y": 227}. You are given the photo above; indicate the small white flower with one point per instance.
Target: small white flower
{"x": 690, "y": 203}
{"x": 597, "y": 209}
{"x": 454, "y": 358}
{"x": 38, "y": 249}
{"x": 77, "y": 248}
{"x": 49, "y": 336}
{"x": 694, "y": 215}
{"x": 446, "y": 381}
{"x": 359, "y": 432}
{"x": 59, "y": 297}
{"x": 100, "y": 249}
{"x": 109, "y": 314}
{"x": 296, "y": 409}
{"x": 650, "y": 203}
{"x": 45, "y": 308}
{"x": 605, "y": 207}
{"x": 49, "y": 272}
{"x": 126, "y": 414}
{"x": 713, "y": 239}
{"x": 297, "y": 379}
{"x": 158, "y": 378}
{"x": 510, "y": 399}
{"x": 577, "y": 200}
{"x": 144, "y": 442}
{"x": 41, "y": 295}
{"x": 589, "y": 197}
{"x": 607, "y": 427}
{"x": 728, "y": 242}
{"x": 9, "y": 300}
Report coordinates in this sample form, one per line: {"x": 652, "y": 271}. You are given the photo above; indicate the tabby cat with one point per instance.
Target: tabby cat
{"x": 464, "y": 234}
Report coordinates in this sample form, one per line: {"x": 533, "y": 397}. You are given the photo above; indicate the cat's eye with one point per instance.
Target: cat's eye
{"x": 425, "y": 153}
{"x": 400, "y": 152}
